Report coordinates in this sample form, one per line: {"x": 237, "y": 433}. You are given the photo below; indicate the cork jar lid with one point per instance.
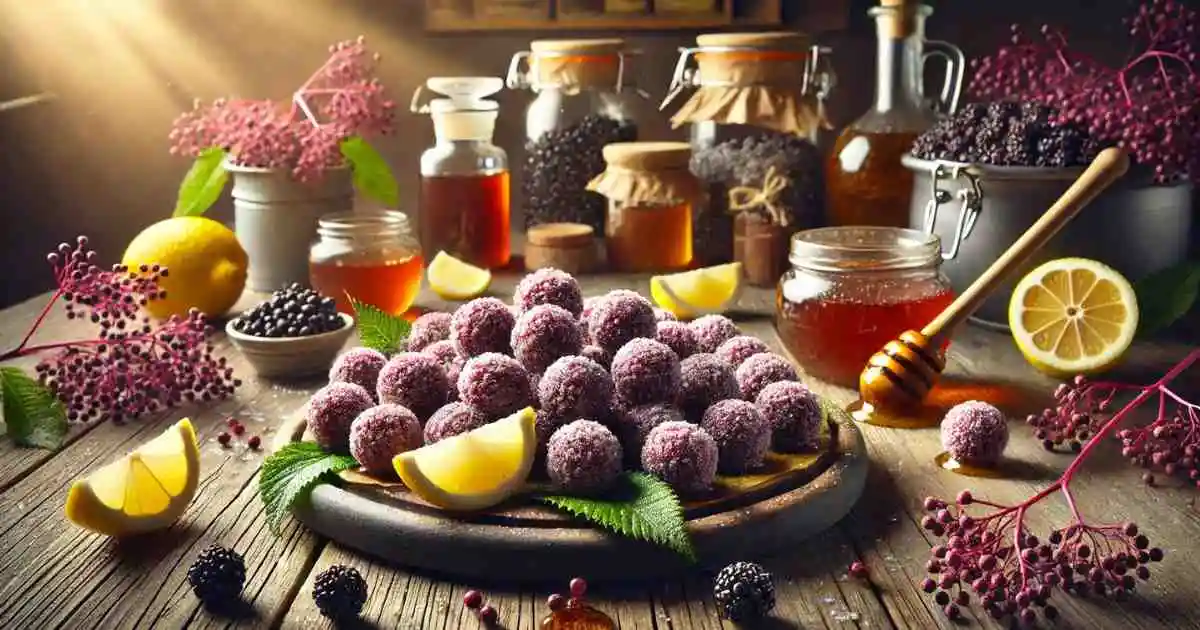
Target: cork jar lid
{"x": 779, "y": 40}
{"x": 648, "y": 156}
{"x": 610, "y": 46}
{"x": 560, "y": 235}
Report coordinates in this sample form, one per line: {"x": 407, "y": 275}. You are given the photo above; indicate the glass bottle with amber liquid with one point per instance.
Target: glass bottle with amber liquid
{"x": 865, "y": 182}
{"x": 464, "y": 202}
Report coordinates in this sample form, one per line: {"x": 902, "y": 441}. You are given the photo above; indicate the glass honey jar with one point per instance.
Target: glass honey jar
{"x": 853, "y": 289}
{"x": 650, "y": 191}
{"x": 372, "y": 257}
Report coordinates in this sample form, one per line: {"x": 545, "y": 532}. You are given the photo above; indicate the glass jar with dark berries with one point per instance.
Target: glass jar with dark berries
{"x": 370, "y": 257}
{"x": 754, "y": 110}
{"x": 584, "y": 99}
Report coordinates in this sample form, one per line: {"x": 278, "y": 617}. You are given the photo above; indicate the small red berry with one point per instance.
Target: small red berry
{"x": 556, "y": 602}
{"x": 488, "y": 614}
{"x": 578, "y": 587}
{"x": 231, "y": 421}
{"x": 223, "y": 438}
{"x": 237, "y": 428}
{"x": 254, "y": 442}
{"x": 858, "y": 570}
{"x": 473, "y": 600}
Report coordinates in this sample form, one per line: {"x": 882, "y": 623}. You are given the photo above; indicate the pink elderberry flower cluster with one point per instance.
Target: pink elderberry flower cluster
{"x": 132, "y": 366}
{"x": 1150, "y": 105}
{"x": 342, "y": 99}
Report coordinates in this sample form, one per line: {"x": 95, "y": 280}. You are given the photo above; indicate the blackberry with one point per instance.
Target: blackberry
{"x": 744, "y": 592}
{"x": 292, "y": 311}
{"x": 217, "y": 576}
{"x": 340, "y": 592}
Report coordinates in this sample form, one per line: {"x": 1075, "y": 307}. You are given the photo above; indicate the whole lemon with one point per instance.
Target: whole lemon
{"x": 206, "y": 266}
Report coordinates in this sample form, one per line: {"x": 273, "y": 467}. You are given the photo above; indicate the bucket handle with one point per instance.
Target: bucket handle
{"x": 970, "y": 198}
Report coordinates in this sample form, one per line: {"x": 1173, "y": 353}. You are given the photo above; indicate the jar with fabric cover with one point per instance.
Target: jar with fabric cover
{"x": 650, "y": 195}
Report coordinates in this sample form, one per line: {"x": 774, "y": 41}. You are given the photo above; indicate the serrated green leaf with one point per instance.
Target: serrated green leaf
{"x": 203, "y": 184}
{"x": 379, "y": 330}
{"x": 32, "y": 414}
{"x": 1166, "y": 296}
{"x": 289, "y": 475}
{"x": 642, "y": 507}
{"x": 372, "y": 175}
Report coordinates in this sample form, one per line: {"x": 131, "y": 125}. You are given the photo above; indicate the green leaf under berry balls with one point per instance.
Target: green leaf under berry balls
{"x": 1166, "y": 296}
{"x": 379, "y": 330}
{"x": 202, "y": 185}
{"x": 289, "y": 475}
{"x": 642, "y": 507}
{"x": 32, "y": 415}
{"x": 372, "y": 175}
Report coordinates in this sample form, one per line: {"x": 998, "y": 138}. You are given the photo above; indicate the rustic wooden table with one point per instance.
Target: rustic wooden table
{"x": 54, "y": 575}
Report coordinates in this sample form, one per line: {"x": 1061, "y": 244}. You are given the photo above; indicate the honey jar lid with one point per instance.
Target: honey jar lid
{"x": 560, "y": 235}
{"x": 577, "y": 46}
{"x": 778, "y": 40}
{"x": 648, "y": 156}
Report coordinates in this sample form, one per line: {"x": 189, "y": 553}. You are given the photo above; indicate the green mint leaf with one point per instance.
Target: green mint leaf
{"x": 642, "y": 507}
{"x": 203, "y": 184}
{"x": 33, "y": 415}
{"x": 1166, "y": 296}
{"x": 289, "y": 475}
{"x": 372, "y": 175}
{"x": 378, "y": 330}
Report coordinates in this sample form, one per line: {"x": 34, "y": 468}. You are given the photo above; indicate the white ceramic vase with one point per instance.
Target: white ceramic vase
{"x": 275, "y": 219}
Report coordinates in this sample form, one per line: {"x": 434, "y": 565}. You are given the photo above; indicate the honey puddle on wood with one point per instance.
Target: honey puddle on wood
{"x": 947, "y": 462}
{"x": 580, "y": 618}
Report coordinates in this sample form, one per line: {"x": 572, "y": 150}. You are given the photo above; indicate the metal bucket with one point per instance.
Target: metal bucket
{"x": 979, "y": 211}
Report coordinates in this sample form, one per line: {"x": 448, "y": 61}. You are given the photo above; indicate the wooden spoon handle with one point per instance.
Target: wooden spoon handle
{"x": 1109, "y": 166}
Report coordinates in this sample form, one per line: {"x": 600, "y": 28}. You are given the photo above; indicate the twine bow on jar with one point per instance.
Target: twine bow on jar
{"x": 764, "y": 200}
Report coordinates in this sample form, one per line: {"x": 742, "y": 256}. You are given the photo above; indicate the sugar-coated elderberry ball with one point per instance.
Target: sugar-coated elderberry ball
{"x": 737, "y": 349}
{"x": 741, "y": 433}
{"x": 744, "y": 591}
{"x": 619, "y": 317}
{"x": 549, "y": 286}
{"x": 482, "y": 325}
{"x": 542, "y": 334}
{"x": 495, "y": 384}
{"x": 217, "y": 577}
{"x": 601, "y": 356}
{"x": 704, "y": 380}
{"x": 340, "y": 592}
{"x": 712, "y": 331}
{"x": 359, "y": 366}
{"x": 975, "y": 433}
{"x": 414, "y": 380}
{"x": 382, "y": 432}
{"x": 632, "y": 426}
{"x": 444, "y": 351}
{"x": 453, "y": 419}
{"x": 427, "y": 329}
{"x": 762, "y": 369}
{"x": 575, "y": 387}
{"x": 677, "y": 336}
{"x": 794, "y": 414}
{"x": 330, "y": 412}
{"x": 645, "y": 371}
{"x": 683, "y": 455}
{"x": 583, "y": 457}
{"x": 663, "y": 315}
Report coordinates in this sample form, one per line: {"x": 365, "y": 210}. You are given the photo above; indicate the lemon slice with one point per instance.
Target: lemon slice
{"x": 146, "y": 490}
{"x": 453, "y": 279}
{"x": 1073, "y": 316}
{"x": 474, "y": 470}
{"x": 698, "y": 292}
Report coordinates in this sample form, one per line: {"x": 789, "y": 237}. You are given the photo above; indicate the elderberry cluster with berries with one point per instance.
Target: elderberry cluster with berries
{"x": 1007, "y": 133}
{"x": 293, "y": 311}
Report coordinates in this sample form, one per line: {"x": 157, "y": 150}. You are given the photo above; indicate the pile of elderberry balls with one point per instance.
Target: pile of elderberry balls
{"x": 292, "y": 311}
{"x": 1007, "y": 133}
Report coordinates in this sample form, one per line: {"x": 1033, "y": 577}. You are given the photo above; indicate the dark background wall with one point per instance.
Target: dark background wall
{"x": 95, "y": 161}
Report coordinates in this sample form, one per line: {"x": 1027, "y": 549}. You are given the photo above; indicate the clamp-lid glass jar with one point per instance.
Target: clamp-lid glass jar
{"x": 650, "y": 194}
{"x": 583, "y": 101}
{"x": 853, "y": 289}
{"x": 372, "y": 257}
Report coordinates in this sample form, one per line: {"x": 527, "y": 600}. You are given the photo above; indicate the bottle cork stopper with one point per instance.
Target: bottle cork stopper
{"x": 898, "y": 18}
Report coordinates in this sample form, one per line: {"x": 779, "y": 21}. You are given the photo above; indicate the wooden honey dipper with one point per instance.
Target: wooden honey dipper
{"x": 899, "y": 377}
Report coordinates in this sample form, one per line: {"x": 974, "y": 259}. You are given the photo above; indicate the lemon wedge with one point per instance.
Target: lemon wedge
{"x": 474, "y": 470}
{"x": 698, "y": 292}
{"x": 453, "y": 279}
{"x": 146, "y": 490}
{"x": 1073, "y": 316}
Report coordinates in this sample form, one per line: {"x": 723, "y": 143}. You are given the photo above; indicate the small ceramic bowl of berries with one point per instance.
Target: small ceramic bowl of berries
{"x": 295, "y": 332}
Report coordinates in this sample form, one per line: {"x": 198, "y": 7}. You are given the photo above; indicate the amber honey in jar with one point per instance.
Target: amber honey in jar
{"x": 369, "y": 256}
{"x": 853, "y": 289}
{"x": 650, "y": 194}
